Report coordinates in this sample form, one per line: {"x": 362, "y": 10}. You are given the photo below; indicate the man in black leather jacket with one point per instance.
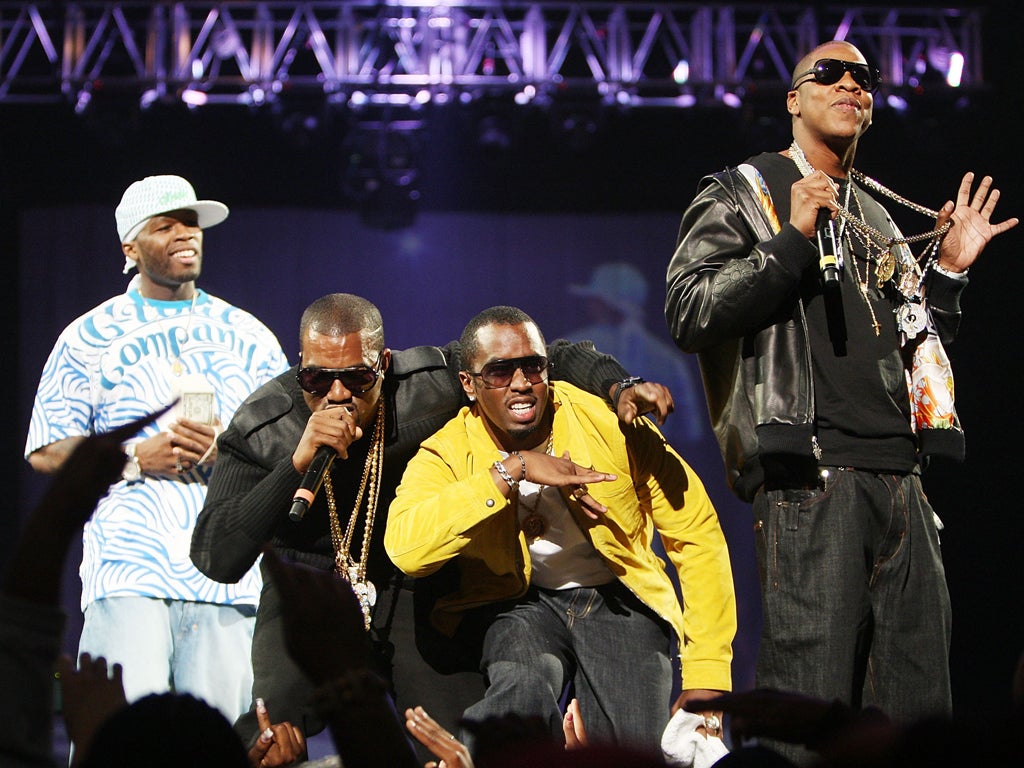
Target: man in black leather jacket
{"x": 268, "y": 446}
{"x": 807, "y": 373}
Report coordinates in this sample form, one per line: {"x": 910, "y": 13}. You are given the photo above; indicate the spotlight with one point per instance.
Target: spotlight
{"x": 148, "y": 98}
{"x": 193, "y": 98}
{"x": 956, "y": 69}
{"x": 681, "y": 73}
{"x": 82, "y": 102}
{"x": 898, "y": 103}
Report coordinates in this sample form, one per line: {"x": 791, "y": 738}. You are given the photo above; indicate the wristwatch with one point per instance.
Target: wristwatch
{"x": 621, "y": 384}
{"x": 132, "y": 472}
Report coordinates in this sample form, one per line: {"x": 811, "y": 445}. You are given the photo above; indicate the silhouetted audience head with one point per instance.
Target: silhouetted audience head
{"x": 167, "y": 729}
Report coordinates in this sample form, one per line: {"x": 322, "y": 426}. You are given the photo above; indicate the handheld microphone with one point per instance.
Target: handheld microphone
{"x": 311, "y": 482}
{"x": 828, "y": 250}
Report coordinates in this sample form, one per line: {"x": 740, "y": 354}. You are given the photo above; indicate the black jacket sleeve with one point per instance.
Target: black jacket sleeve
{"x": 724, "y": 280}
{"x": 252, "y": 485}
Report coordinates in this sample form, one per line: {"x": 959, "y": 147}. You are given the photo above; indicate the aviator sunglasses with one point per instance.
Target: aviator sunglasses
{"x": 830, "y": 72}
{"x": 499, "y": 374}
{"x": 357, "y": 379}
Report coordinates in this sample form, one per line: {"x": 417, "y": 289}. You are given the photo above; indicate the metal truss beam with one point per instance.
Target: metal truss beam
{"x": 408, "y": 52}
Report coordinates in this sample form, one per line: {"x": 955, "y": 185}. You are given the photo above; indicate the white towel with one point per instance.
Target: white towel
{"x": 682, "y": 746}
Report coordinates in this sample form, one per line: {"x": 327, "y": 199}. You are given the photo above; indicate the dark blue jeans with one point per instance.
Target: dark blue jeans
{"x": 603, "y": 640}
{"x": 854, "y": 593}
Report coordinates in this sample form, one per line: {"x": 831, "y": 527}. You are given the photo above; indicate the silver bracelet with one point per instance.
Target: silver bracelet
{"x": 949, "y": 273}
{"x": 513, "y": 484}
{"x": 522, "y": 461}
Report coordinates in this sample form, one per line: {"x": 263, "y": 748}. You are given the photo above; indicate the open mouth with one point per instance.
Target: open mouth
{"x": 523, "y": 411}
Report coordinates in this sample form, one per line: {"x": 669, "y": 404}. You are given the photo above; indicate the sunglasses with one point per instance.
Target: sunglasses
{"x": 499, "y": 374}
{"x": 357, "y": 379}
{"x": 831, "y": 71}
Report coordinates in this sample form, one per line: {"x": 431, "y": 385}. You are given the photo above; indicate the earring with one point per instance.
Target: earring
{"x": 472, "y": 399}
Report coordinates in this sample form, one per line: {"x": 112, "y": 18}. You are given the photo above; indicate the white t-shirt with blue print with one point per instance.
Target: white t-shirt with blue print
{"x": 116, "y": 363}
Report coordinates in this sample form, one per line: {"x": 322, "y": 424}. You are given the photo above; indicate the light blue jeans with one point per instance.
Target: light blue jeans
{"x": 197, "y": 648}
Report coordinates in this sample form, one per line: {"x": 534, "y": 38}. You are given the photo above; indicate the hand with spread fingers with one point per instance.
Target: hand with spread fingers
{"x": 972, "y": 227}
{"x": 91, "y": 693}
{"x": 563, "y": 472}
{"x": 452, "y": 752}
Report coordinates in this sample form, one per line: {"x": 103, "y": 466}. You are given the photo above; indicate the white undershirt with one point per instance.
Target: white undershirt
{"x": 562, "y": 556}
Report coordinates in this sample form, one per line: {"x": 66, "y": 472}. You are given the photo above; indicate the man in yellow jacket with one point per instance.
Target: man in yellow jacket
{"x": 548, "y": 507}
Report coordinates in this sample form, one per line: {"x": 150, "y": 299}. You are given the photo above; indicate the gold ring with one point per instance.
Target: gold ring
{"x": 579, "y": 492}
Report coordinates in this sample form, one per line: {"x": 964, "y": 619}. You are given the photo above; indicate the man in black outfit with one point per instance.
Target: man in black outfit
{"x": 373, "y": 406}
{"x": 828, "y": 386}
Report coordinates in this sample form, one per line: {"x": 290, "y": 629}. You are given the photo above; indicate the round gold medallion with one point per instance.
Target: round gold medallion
{"x": 885, "y": 267}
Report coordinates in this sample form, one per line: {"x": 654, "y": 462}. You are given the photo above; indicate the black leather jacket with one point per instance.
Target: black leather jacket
{"x": 733, "y": 298}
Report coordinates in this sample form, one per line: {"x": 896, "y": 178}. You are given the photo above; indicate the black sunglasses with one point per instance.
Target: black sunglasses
{"x": 831, "y": 71}
{"x": 357, "y": 379}
{"x": 500, "y": 373}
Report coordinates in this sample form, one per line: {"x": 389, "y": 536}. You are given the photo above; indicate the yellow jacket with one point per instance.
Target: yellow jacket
{"x": 448, "y": 506}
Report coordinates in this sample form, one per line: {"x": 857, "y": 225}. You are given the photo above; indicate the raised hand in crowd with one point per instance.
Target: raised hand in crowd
{"x": 326, "y": 636}
{"x": 93, "y": 466}
{"x": 90, "y": 693}
{"x": 278, "y": 743}
{"x": 573, "y": 727}
{"x": 428, "y": 732}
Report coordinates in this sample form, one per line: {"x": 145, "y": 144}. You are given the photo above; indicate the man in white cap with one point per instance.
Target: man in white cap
{"x": 145, "y": 605}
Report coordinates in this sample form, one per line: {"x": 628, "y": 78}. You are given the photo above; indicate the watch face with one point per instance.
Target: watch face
{"x": 131, "y": 471}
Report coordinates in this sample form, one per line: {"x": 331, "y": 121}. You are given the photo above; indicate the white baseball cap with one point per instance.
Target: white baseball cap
{"x": 154, "y": 195}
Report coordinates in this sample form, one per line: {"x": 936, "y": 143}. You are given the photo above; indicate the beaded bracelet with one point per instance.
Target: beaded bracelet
{"x": 522, "y": 461}
{"x": 513, "y": 484}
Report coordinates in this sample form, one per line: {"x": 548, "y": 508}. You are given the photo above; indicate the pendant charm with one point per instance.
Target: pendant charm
{"x": 534, "y": 525}
{"x": 909, "y": 284}
{"x": 885, "y": 267}
{"x": 364, "y": 591}
{"x": 911, "y": 319}
{"x": 176, "y": 367}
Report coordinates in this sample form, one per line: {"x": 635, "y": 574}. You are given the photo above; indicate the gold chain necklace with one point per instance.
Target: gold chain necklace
{"x": 863, "y": 284}
{"x": 369, "y": 486}
{"x": 885, "y": 241}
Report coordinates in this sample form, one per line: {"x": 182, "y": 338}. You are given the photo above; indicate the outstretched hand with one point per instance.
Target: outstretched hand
{"x": 91, "y": 694}
{"x": 972, "y": 227}
{"x": 34, "y": 571}
{"x": 428, "y": 732}
{"x": 95, "y": 465}
{"x": 563, "y": 472}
